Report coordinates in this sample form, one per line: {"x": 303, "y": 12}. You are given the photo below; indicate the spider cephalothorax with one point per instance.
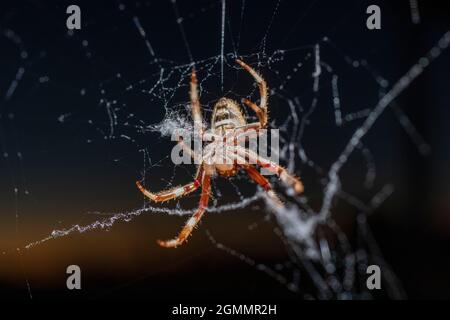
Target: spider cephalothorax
{"x": 223, "y": 154}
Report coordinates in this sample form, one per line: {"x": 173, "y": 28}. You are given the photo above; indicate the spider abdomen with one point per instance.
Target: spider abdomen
{"x": 226, "y": 115}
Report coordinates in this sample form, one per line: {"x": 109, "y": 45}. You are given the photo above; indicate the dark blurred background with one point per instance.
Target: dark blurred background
{"x": 65, "y": 170}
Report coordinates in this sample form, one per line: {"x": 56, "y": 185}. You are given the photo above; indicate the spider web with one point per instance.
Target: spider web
{"x": 307, "y": 84}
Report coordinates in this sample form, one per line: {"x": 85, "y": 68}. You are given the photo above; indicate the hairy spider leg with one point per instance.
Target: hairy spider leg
{"x": 193, "y": 221}
{"x": 263, "y": 182}
{"x": 260, "y": 113}
{"x": 261, "y": 110}
{"x": 195, "y": 105}
{"x": 282, "y": 173}
{"x": 176, "y": 192}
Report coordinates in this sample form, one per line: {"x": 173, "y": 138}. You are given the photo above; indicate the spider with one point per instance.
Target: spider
{"x": 227, "y": 121}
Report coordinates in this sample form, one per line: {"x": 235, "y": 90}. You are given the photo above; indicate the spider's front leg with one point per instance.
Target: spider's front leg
{"x": 193, "y": 221}
{"x": 174, "y": 192}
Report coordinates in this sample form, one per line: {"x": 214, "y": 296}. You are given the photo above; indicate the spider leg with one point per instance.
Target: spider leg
{"x": 261, "y": 110}
{"x": 176, "y": 192}
{"x": 195, "y": 104}
{"x": 260, "y": 113}
{"x": 263, "y": 182}
{"x": 193, "y": 221}
{"x": 282, "y": 173}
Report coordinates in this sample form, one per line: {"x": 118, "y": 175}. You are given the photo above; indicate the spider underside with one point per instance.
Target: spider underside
{"x": 227, "y": 124}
